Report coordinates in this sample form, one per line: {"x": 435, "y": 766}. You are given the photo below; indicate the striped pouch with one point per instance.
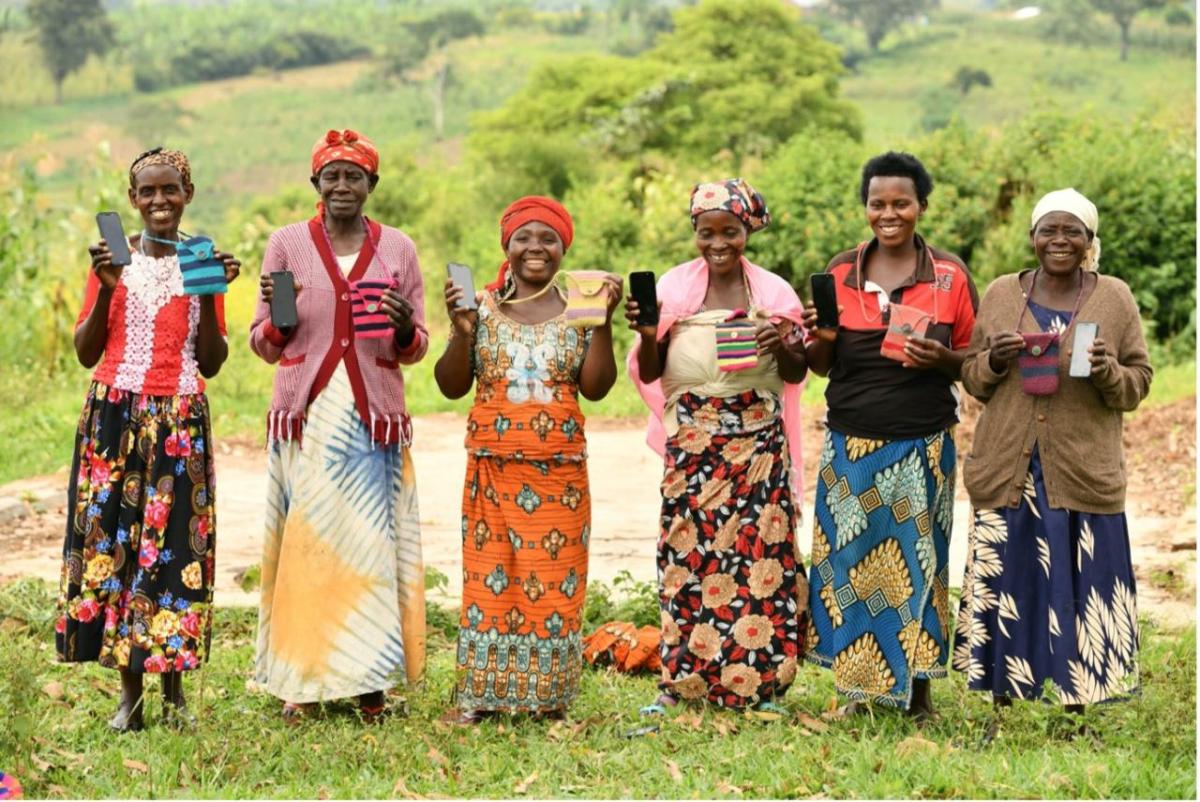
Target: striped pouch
{"x": 587, "y": 303}
{"x": 203, "y": 273}
{"x": 366, "y": 307}
{"x": 736, "y": 346}
{"x": 1038, "y": 363}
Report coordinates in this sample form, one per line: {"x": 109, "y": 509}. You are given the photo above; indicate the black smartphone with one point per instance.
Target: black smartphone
{"x": 824, "y": 297}
{"x": 461, "y": 276}
{"x": 641, "y": 287}
{"x": 114, "y": 237}
{"x": 283, "y": 300}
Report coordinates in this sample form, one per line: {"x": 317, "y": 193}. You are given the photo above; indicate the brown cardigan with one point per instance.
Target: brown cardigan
{"x": 1077, "y": 430}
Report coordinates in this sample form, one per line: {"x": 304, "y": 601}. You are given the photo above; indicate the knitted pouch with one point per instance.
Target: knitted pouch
{"x": 736, "y": 346}
{"x": 1038, "y": 363}
{"x": 366, "y": 308}
{"x": 903, "y": 322}
{"x": 587, "y": 303}
{"x": 203, "y": 273}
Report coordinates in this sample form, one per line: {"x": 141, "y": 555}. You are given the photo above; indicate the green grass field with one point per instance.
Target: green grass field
{"x": 56, "y": 740}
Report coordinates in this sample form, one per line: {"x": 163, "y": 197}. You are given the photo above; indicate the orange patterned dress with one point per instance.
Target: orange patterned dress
{"x": 526, "y": 518}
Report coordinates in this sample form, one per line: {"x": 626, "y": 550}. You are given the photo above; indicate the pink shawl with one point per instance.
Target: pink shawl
{"x": 681, "y": 291}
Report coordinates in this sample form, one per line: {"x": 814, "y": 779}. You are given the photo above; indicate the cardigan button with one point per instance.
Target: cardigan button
{"x": 1014, "y": 500}
{"x": 345, "y": 296}
{"x": 1027, "y": 453}
{"x": 1041, "y": 418}
{"x": 345, "y": 342}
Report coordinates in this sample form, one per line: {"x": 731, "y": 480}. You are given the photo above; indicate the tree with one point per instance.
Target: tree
{"x": 967, "y": 77}
{"x": 69, "y": 31}
{"x": 878, "y": 18}
{"x": 1123, "y": 12}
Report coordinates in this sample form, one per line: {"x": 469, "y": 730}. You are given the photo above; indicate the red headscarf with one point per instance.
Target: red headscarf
{"x": 345, "y": 146}
{"x": 527, "y": 210}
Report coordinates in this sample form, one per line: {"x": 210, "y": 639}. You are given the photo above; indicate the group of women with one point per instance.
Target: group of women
{"x": 1048, "y": 594}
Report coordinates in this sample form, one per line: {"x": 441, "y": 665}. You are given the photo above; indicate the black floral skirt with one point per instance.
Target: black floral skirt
{"x": 733, "y": 595}
{"x": 137, "y": 576}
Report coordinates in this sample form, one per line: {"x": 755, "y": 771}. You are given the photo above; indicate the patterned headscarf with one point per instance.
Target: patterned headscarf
{"x": 527, "y": 210}
{"x": 735, "y": 196}
{"x": 160, "y": 155}
{"x": 1073, "y": 203}
{"x": 345, "y": 146}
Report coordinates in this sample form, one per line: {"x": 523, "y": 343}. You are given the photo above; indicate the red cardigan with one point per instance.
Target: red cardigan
{"x": 324, "y": 335}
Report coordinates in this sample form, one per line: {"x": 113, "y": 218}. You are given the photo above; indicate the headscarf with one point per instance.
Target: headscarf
{"x": 160, "y": 155}
{"x": 345, "y": 146}
{"x": 529, "y": 209}
{"x": 1073, "y": 203}
{"x": 735, "y": 196}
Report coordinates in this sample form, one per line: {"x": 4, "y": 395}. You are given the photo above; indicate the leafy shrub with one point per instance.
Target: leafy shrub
{"x": 628, "y": 600}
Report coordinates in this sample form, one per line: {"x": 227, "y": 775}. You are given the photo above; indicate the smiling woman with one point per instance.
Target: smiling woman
{"x": 885, "y": 498}
{"x": 137, "y": 579}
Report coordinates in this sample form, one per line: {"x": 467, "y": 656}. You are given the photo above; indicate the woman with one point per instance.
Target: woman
{"x": 526, "y": 506}
{"x": 731, "y": 591}
{"x": 137, "y": 576}
{"x": 1049, "y": 591}
{"x": 343, "y": 606}
{"x": 885, "y": 495}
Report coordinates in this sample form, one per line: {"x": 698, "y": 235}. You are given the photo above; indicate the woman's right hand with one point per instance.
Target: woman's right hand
{"x": 631, "y": 315}
{"x": 1005, "y": 346}
{"x": 108, "y": 273}
{"x": 266, "y": 285}
{"x": 462, "y": 320}
{"x": 809, "y": 321}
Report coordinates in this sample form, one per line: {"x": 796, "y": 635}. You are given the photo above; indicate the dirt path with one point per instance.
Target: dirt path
{"x": 624, "y": 477}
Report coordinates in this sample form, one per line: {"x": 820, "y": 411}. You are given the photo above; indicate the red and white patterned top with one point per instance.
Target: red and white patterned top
{"x": 152, "y": 324}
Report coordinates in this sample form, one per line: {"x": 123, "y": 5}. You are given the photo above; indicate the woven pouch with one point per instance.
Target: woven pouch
{"x": 366, "y": 308}
{"x": 203, "y": 273}
{"x": 587, "y": 303}
{"x": 1038, "y": 363}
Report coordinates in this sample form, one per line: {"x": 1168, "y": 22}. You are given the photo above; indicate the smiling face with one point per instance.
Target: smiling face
{"x": 721, "y": 239}
{"x": 160, "y": 196}
{"x": 534, "y": 253}
{"x": 344, "y": 187}
{"x": 1060, "y": 242}
{"x": 893, "y": 209}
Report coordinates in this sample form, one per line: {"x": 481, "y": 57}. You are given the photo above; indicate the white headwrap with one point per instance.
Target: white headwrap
{"x": 1074, "y": 203}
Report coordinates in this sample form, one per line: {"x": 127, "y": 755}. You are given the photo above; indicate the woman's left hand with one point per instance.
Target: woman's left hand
{"x": 399, "y": 312}
{"x": 767, "y": 338}
{"x": 614, "y": 289}
{"x": 233, "y": 267}
{"x": 926, "y": 354}
{"x": 1098, "y": 357}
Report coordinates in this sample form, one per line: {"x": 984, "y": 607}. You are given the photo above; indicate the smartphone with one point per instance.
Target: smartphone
{"x": 461, "y": 276}
{"x": 1081, "y": 360}
{"x": 114, "y": 237}
{"x": 283, "y": 300}
{"x": 824, "y": 296}
{"x": 641, "y": 287}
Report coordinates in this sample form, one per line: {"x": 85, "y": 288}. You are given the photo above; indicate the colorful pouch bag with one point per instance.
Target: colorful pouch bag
{"x": 903, "y": 322}
{"x": 366, "y": 308}
{"x": 587, "y": 303}
{"x": 737, "y": 348}
{"x": 1038, "y": 363}
{"x": 203, "y": 273}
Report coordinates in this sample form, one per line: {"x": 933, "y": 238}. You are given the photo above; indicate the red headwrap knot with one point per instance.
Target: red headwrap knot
{"x": 346, "y": 146}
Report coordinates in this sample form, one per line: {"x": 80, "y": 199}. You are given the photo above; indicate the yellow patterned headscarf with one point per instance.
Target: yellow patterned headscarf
{"x": 160, "y": 155}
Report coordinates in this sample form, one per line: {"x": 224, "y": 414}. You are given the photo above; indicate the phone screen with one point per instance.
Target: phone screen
{"x": 641, "y": 287}
{"x": 824, "y": 296}
{"x": 283, "y": 300}
{"x": 1081, "y": 360}
{"x": 461, "y": 276}
{"x": 114, "y": 237}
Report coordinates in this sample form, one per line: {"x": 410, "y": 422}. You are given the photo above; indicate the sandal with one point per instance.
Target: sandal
{"x": 128, "y": 719}
{"x": 178, "y": 717}
{"x": 659, "y": 706}
{"x": 767, "y": 706}
{"x": 295, "y": 712}
{"x": 463, "y": 718}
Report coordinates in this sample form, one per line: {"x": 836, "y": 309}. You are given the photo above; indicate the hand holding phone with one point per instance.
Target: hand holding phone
{"x": 642, "y": 291}
{"x": 460, "y": 276}
{"x": 283, "y": 300}
{"x": 824, "y": 296}
{"x": 1081, "y": 360}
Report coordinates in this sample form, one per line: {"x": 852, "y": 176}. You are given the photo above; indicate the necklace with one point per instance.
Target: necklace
{"x": 144, "y": 236}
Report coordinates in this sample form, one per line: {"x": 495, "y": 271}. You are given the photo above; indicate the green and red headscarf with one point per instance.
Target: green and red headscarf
{"x": 532, "y": 208}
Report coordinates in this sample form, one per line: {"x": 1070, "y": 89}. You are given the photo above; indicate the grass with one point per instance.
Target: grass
{"x": 1144, "y": 748}
{"x": 898, "y": 85}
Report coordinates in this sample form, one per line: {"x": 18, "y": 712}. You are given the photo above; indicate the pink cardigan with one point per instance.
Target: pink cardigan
{"x": 324, "y": 336}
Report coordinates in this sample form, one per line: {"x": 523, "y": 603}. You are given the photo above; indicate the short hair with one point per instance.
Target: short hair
{"x": 897, "y": 165}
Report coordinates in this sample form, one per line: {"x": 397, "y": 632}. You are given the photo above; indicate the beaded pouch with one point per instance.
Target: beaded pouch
{"x": 366, "y": 308}
{"x": 203, "y": 273}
